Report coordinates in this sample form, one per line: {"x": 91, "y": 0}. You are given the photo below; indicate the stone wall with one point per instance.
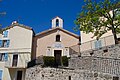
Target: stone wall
{"x": 38, "y": 73}
{"x": 112, "y": 51}
{"x": 99, "y": 64}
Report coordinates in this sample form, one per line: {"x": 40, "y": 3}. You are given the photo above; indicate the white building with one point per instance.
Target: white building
{"x": 15, "y": 51}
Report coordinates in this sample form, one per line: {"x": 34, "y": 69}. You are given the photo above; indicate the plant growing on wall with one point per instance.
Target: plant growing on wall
{"x": 99, "y": 17}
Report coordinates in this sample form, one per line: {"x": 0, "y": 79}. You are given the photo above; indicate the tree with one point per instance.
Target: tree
{"x": 99, "y": 17}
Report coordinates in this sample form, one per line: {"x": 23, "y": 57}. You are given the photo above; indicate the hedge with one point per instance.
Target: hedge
{"x": 50, "y": 61}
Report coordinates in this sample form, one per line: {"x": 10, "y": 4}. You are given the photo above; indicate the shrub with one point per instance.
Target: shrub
{"x": 65, "y": 60}
{"x": 49, "y": 61}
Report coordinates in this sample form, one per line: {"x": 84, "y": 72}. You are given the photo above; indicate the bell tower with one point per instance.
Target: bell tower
{"x": 57, "y": 22}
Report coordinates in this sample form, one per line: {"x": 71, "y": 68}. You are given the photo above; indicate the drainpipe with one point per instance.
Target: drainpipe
{"x": 79, "y": 43}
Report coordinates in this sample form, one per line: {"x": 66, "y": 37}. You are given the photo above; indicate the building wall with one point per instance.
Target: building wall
{"x": 48, "y": 41}
{"x": 20, "y": 36}
{"x": 20, "y": 40}
{"x": 23, "y": 59}
{"x": 88, "y": 37}
{"x": 5, "y": 73}
{"x": 87, "y": 42}
{"x": 10, "y": 73}
{"x": 21, "y": 44}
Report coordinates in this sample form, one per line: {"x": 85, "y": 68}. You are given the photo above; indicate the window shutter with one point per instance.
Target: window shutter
{"x": 5, "y": 33}
{"x": 99, "y": 43}
{"x": 0, "y": 56}
{"x": 8, "y": 43}
{"x": 6, "y": 57}
{"x": 96, "y": 44}
{"x": 1, "y": 72}
{"x": 1, "y": 43}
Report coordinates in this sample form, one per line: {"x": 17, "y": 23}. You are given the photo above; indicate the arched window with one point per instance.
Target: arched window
{"x": 57, "y": 38}
{"x": 57, "y": 22}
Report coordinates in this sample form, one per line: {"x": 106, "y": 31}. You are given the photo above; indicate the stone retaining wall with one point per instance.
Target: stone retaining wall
{"x": 38, "y": 73}
{"x": 99, "y": 64}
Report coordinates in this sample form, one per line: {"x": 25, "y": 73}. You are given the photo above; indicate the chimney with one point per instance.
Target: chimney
{"x": 14, "y": 22}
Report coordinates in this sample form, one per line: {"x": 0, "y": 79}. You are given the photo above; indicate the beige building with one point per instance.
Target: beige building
{"x": 89, "y": 42}
{"x": 55, "y": 41}
{"x": 15, "y": 51}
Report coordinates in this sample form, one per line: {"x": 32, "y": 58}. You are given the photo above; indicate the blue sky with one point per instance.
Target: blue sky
{"x": 38, "y": 13}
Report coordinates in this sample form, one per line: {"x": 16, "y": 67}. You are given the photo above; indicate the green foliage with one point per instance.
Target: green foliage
{"x": 65, "y": 60}
{"x": 50, "y": 61}
{"x": 99, "y": 17}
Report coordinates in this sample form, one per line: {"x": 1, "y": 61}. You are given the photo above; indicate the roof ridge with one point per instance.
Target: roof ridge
{"x": 17, "y": 24}
{"x": 43, "y": 32}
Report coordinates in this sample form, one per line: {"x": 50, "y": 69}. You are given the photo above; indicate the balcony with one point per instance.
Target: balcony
{"x": 14, "y": 50}
{"x": 17, "y": 60}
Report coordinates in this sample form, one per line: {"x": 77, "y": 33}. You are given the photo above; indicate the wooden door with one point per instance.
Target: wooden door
{"x": 57, "y": 55}
{"x": 19, "y": 75}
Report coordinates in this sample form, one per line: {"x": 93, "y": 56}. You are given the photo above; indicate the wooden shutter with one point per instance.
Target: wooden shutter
{"x": 8, "y": 42}
{"x": 1, "y": 43}
{"x": 1, "y": 73}
{"x": 6, "y": 57}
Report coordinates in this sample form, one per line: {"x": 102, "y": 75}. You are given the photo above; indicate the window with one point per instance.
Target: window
{"x": 106, "y": 50}
{"x": 5, "y": 34}
{"x": 57, "y": 22}
{"x": 15, "y": 60}
{"x": 48, "y": 52}
{"x": 115, "y": 78}
{"x": 3, "y": 56}
{"x": 1, "y": 73}
{"x": 69, "y": 77}
{"x": 57, "y": 38}
{"x": 66, "y": 51}
{"x": 4, "y": 43}
{"x": 98, "y": 44}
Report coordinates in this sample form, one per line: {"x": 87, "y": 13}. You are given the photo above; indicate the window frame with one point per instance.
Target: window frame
{"x": 58, "y": 38}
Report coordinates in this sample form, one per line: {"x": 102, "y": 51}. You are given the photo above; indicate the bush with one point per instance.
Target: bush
{"x": 50, "y": 61}
{"x": 31, "y": 63}
{"x": 65, "y": 60}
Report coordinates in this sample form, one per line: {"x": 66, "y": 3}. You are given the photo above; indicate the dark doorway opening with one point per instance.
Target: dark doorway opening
{"x": 19, "y": 75}
{"x": 15, "y": 60}
{"x": 57, "y": 55}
